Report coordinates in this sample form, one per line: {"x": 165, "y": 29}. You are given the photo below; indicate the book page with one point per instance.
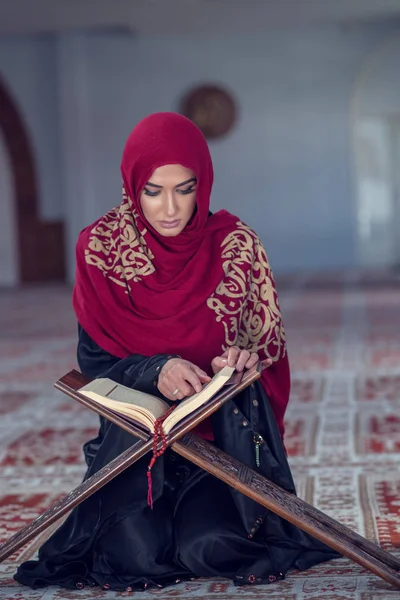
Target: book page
{"x": 112, "y": 392}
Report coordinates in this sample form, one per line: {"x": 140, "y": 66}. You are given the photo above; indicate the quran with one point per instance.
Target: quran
{"x": 145, "y": 409}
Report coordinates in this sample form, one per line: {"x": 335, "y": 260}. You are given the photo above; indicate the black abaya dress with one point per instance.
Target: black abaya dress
{"x": 199, "y": 527}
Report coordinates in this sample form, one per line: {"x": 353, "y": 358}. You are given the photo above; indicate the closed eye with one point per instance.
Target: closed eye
{"x": 188, "y": 190}
{"x": 152, "y": 194}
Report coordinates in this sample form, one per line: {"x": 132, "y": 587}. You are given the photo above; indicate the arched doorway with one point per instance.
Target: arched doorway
{"x": 376, "y": 136}
{"x": 39, "y": 245}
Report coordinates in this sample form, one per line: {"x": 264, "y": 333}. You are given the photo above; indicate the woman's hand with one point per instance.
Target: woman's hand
{"x": 240, "y": 359}
{"x": 180, "y": 378}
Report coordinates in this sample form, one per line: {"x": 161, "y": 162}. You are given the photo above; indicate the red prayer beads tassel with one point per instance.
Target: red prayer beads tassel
{"x": 149, "y": 489}
{"x": 158, "y": 434}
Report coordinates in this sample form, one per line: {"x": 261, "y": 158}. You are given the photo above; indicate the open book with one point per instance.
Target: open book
{"x": 144, "y": 408}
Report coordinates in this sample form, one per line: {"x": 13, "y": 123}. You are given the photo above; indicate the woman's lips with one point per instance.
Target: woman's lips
{"x": 170, "y": 224}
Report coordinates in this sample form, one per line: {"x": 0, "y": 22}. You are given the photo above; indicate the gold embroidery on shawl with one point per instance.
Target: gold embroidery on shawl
{"x": 245, "y": 300}
{"x": 125, "y": 257}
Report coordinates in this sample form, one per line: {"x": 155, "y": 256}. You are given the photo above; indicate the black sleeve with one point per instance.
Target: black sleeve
{"x": 136, "y": 370}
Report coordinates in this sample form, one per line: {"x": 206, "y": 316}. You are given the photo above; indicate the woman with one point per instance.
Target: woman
{"x": 167, "y": 294}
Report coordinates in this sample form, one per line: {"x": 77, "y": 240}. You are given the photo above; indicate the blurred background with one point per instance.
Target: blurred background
{"x": 300, "y": 101}
{"x": 311, "y": 160}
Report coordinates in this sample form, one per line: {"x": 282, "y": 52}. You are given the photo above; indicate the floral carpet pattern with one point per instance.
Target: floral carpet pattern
{"x": 342, "y": 427}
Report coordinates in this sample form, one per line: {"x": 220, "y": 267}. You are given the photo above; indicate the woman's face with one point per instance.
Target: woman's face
{"x": 168, "y": 199}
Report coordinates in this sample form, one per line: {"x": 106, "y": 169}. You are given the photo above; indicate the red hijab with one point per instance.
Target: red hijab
{"x": 194, "y": 294}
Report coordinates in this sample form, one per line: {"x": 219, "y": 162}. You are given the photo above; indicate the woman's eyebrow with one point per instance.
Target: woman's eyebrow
{"x": 191, "y": 180}
{"x": 154, "y": 185}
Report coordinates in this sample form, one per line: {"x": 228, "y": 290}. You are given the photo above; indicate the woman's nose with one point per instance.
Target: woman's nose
{"x": 172, "y": 206}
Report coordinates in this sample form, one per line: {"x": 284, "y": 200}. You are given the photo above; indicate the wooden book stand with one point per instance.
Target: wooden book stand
{"x": 219, "y": 464}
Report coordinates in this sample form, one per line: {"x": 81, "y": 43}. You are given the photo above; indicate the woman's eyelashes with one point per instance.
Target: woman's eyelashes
{"x": 184, "y": 192}
{"x": 149, "y": 193}
{"x": 188, "y": 190}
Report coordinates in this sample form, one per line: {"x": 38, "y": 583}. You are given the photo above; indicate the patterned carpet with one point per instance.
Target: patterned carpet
{"x": 343, "y": 426}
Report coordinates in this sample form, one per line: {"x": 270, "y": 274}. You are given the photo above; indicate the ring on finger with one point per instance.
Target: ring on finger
{"x": 175, "y": 392}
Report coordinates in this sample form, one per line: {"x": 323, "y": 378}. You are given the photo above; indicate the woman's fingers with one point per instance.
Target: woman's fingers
{"x": 252, "y": 361}
{"x": 235, "y": 357}
{"x": 175, "y": 395}
{"x": 218, "y": 363}
{"x": 202, "y": 375}
{"x": 191, "y": 377}
{"x": 184, "y": 382}
{"x": 267, "y": 363}
{"x": 232, "y": 356}
{"x": 242, "y": 360}
{"x": 180, "y": 378}
{"x": 175, "y": 389}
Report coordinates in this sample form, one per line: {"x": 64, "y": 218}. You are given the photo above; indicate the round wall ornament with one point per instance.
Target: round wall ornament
{"x": 211, "y": 108}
